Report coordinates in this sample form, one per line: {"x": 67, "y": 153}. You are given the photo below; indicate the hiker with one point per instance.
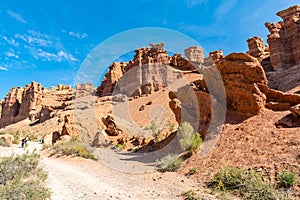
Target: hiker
{"x": 24, "y": 141}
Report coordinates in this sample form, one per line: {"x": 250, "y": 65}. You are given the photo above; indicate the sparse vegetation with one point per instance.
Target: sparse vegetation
{"x": 288, "y": 179}
{"x": 32, "y": 136}
{"x": 3, "y": 143}
{"x": 74, "y": 147}
{"x": 192, "y": 170}
{"x": 154, "y": 129}
{"x": 120, "y": 146}
{"x": 189, "y": 140}
{"x": 171, "y": 127}
{"x": 170, "y": 163}
{"x": 190, "y": 195}
{"x": 22, "y": 178}
{"x": 247, "y": 184}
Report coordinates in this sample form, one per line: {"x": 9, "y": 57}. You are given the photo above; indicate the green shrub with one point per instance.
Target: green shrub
{"x": 189, "y": 140}
{"x": 170, "y": 163}
{"x": 192, "y": 170}
{"x": 32, "y": 137}
{"x": 287, "y": 179}
{"x": 73, "y": 148}
{"x": 22, "y": 178}
{"x": 120, "y": 146}
{"x": 16, "y": 141}
{"x": 246, "y": 183}
{"x": 190, "y": 195}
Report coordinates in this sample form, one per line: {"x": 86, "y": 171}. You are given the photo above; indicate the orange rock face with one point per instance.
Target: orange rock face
{"x": 240, "y": 73}
{"x": 28, "y": 102}
{"x": 284, "y": 39}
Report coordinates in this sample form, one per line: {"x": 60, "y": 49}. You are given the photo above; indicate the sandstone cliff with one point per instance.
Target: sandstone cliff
{"x": 284, "y": 39}
{"x": 33, "y": 102}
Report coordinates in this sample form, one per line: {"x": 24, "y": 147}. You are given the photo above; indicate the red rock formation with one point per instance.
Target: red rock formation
{"x": 240, "y": 73}
{"x": 216, "y": 56}
{"x": 145, "y": 57}
{"x": 68, "y": 127}
{"x": 257, "y": 47}
{"x": 284, "y": 39}
{"x": 28, "y": 102}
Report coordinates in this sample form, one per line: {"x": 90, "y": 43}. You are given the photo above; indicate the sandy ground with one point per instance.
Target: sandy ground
{"x": 77, "y": 178}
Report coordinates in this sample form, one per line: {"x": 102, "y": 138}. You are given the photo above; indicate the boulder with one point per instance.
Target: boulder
{"x": 241, "y": 73}
{"x": 295, "y": 110}
{"x": 111, "y": 127}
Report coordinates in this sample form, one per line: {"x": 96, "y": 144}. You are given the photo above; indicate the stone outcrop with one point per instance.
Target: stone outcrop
{"x": 284, "y": 39}
{"x": 83, "y": 90}
{"x": 68, "y": 127}
{"x": 257, "y": 48}
{"x": 33, "y": 102}
{"x": 216, "y": 56}
{"x": 240, "y": 73}
{"x": 145, "y": 57}
{"x": 295, "y": 110}
{"x": 111, "y": 127}
{"x": 285, "y": 80}
{"x": 195, "y": 55}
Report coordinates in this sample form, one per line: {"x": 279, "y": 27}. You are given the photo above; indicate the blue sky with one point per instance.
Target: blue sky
{"x": 46, "y": 41}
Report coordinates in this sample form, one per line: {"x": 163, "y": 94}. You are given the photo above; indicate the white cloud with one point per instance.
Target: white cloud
{"x": 78, "y": 35}
{"x": 192, "y": 3}
{"x": 16, "y": 16}
{"x": 10, "y": 41}
{"x": 60, "y": 56}
{"x": 3, "y": 69}
{"x": 35, "y": 38}
{"x": 11, "y": 54}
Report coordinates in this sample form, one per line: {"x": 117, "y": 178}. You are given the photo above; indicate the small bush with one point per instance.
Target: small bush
{"x": 22, "y": 178}
{"x": 72, "y": 148}
{"x": 287, "y": 179}
{"x": 189, "y": 140}
{"x": 192, "y": 170}
{"x": 246, "y": 183}
{"x": 170, "y": 163}
{"x": 32, "y": 137}
{"x": 120, "y": 147}
{"x": 190, "y": 195}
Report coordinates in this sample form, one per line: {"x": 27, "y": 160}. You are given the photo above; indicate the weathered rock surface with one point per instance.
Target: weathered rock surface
{"x": 84, "y": 90}
{"x": 257, "y": 47}
{"x": 111, "y": 127}
{"x": 68, "y": 127}
{"x": 284, "y": 39}
{"x": 146, "y": 57}
{"x": 285, "y": 80}
{"x": 217, "y": 55}
{"x": 295, "y": 110}
{"x": 33, "y": 102}
{"x": 240, "y": 73}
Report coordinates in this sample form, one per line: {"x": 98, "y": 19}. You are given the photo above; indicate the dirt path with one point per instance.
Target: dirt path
{"x": 76, "y": 178}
